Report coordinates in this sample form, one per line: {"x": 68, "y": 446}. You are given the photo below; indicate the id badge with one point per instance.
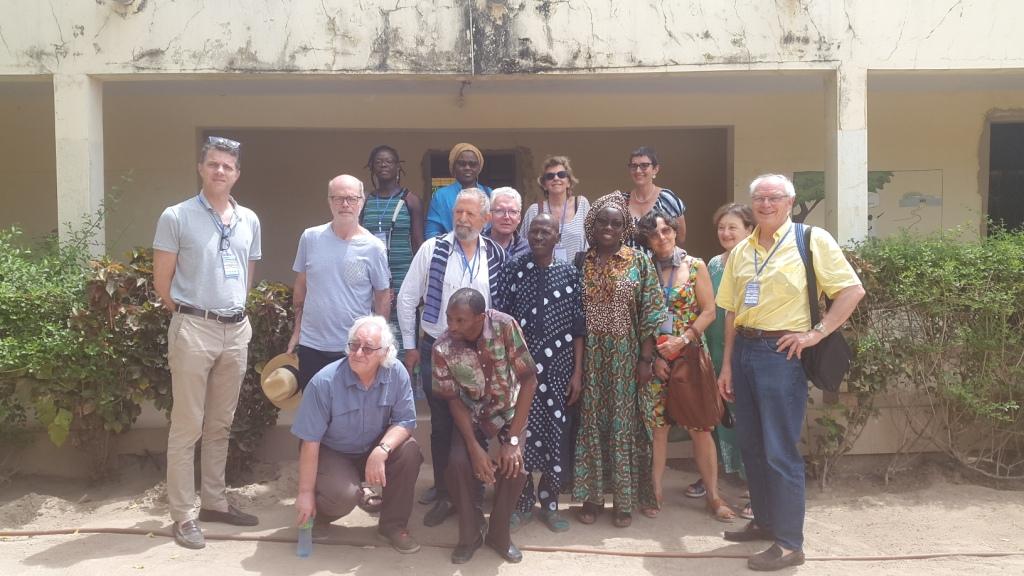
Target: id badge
{"x": 231, "y": 267}
{"x": 666, "y": 326}
{"x": 752, "y": 293}
{"x": 382, "y": 236}
{"x": 561, "y": 255}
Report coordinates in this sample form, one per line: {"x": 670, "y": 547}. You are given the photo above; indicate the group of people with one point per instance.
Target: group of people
{"x": 551, "y": 332}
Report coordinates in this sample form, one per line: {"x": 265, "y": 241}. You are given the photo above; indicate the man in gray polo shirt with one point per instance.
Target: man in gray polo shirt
{"x": 204, "y": 255}
{"x": 341, "y": 273}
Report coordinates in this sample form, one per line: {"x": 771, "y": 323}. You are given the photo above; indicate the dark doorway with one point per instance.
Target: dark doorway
{"x": 1006, "y": 176}
{"x": 499, "y": 169}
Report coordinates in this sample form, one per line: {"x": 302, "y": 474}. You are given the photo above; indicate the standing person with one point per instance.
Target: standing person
{"x": 691, "y": 309}
{"x": 544, "y": 295}
{"x": 340, "y": 451}
{"x": 647, "y": 196}
{"x": 459, "y": 259}
{"x": 341, "y": 273}
{"x": 767, "y": 327}
{"x": 483, "y": 369}
{"x": 624, "y": 307}
{"x": 394, "y": 215}
{"x": 506, "y": 210}
{"x": 733, "y": 223}
{"x": 465, "y": 162}
{"x": 569, "y": 209}
{"x": 204, "y": 257}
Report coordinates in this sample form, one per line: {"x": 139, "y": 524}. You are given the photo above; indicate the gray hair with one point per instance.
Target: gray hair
{"x": 775, "y": 178}
{"x": 509, "y": 192}
{"x": 387, "y": 338}
{"x": 478, "y": 195}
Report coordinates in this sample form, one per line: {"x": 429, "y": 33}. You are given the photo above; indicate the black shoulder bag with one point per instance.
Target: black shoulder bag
{"x": 826, "y": 363}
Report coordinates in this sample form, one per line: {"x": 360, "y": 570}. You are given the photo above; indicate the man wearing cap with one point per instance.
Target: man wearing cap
{"x": 341, "y": 273}
{"x": 465, "y": 162}
{"x": 204, "y": 255}
{"x": 442, "y": 265}
{"x": 484, "y": 370}
{"x": 355, "y": 421}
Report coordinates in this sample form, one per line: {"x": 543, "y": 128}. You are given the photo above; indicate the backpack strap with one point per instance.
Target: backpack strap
{"x": 803, "y": 245}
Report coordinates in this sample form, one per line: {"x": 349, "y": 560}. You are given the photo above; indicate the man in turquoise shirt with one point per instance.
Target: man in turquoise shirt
{"x": 465, "y": 162}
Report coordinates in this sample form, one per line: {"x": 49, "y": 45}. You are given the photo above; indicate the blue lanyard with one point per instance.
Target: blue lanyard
{"x": 470, "y": 266}
{"x": 667, "y": 288}
{"x": 225, "y": 231}
{"x": 381, "y": 213}
{"x": 757, "y": 271}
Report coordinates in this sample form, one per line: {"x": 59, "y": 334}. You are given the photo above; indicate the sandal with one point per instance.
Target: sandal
{"x": 370, "y": 502}
{"x": 747, "y": 512}
{"x": 696, "y": 490}
{"x": 554, "y": 521}
{"x": 623, "y": 519}
{"x": 720, "y": 511}
{"x": 650, "y": 512}
{"x": 587, "y": 514}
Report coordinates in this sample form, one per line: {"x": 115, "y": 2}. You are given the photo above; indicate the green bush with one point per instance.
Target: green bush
{"x": 83, "y": 343}
{"x": 940, "y": 330}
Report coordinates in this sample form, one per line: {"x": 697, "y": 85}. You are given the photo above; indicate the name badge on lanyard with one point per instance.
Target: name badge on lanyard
{"x": 752, "y": 293}
{"x": 383, "y": 237}
{"x": 560, "y": 254}
{"x": 232, "y": 269}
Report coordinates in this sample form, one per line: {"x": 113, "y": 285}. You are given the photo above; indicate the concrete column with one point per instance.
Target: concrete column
{"x": 846, "y": 159}
{"x": 78, "y": 127}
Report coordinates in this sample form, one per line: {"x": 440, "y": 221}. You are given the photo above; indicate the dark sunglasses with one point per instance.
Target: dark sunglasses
{"x": 552, "y": 175}
{"x": 226, "y": 143}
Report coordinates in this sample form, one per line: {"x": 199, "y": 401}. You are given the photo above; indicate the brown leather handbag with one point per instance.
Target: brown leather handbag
{"x": 693, "y": 399}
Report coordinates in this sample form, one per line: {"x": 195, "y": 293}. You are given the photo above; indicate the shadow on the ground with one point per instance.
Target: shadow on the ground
{"x": 79, "y": 549}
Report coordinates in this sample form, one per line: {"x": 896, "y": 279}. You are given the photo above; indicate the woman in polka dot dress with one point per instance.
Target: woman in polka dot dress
{"x": 543, "y": 294}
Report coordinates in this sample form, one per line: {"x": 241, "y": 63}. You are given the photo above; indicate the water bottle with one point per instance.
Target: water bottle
{"x": 305, "y": 547}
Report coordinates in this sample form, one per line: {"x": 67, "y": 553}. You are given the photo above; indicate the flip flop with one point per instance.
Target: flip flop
{"x": 370, "y": 502}
{"x": 696, "y": 490}
{"x": 650, "y": 512}
{"x": 622, "y": 519}
{"x": 720, "y": 511}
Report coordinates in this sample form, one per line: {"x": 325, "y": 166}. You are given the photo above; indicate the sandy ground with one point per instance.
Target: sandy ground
{"x": 931, "y": 515}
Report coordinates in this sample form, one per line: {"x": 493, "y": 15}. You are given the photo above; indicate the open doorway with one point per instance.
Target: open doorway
{"x": 1006, "y": 175}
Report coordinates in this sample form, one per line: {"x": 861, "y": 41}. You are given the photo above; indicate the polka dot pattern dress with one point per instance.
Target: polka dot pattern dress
{"x": 547, "y": 303}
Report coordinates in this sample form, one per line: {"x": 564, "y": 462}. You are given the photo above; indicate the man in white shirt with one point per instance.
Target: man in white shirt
{"x": 444, "y": 264}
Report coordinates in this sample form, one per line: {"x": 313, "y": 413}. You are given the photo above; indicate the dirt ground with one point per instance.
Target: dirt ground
{"x": 926, "y": 512}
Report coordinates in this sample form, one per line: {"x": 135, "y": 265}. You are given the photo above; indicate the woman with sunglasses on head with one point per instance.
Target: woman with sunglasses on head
{"x": 646, "y": 196}
{"x": 557, "y": 181}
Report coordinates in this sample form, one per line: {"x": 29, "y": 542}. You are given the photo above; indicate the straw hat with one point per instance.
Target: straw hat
{"x": 280, "y": 381}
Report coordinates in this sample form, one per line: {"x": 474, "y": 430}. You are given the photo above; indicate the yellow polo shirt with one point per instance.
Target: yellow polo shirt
{"x": 783, "y": 294}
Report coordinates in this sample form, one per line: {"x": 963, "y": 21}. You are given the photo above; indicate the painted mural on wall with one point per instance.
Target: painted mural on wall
{"x": 897, "y": 200}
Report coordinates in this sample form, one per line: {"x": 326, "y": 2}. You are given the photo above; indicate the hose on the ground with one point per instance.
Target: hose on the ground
{"x": 568, "y": 549}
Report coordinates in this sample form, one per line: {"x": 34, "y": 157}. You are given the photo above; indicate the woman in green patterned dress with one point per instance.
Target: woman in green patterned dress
{"x": 691, "y": 309}
{"x": 734, "y": 222}
{"x": 624, "y": 308}
{"x": 394, "y": 215}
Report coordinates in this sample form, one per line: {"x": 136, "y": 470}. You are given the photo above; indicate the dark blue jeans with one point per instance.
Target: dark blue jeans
{"x": 771, "y": 400}
{"x": 441, "y": 423}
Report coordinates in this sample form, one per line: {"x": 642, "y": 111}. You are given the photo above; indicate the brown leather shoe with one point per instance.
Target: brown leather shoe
{"x": 749, "y": 533}
{"x": 775, "y": 559}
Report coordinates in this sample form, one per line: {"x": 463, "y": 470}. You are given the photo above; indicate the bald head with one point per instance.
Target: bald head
{"x": 345, "y": 184}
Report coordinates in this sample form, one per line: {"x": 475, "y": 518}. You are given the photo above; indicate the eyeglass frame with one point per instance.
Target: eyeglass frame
{"x": 345, "y": 200}
{"x": 362, "y": 346}
{"x": 773, "y": 200}
{"x": 641, "y": 166}
{"x": 503, "y": 212}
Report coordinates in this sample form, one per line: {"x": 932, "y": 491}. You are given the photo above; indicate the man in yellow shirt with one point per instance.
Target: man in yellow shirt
{"x": 767, "y": 327}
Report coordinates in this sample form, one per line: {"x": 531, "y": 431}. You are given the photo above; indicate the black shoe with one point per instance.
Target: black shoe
{"x": 429, "y": 496}
{"x": 772, "y": 559}
{"x": 510, "y": 553}
{"x": 749, "y": 533}
{"x": 188, "y": 535}
{"x": 463, "y": 554}
{"x": 442, "y": 509}
{"x": 233, "y": 516}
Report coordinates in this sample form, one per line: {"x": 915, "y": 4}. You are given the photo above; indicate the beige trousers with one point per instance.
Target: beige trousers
{"x": 207, "y": 361}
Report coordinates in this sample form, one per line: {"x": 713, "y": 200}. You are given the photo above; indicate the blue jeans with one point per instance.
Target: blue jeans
{"x": 771, "y": 400}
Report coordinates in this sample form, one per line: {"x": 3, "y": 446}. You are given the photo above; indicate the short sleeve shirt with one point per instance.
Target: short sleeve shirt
{"x": 341, "y": 276}
{"x": 191, "y": 230}
{"x": 337, "y": 411}
{"x": 486, "y": 375}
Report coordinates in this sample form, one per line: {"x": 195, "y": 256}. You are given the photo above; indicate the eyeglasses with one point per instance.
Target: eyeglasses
{"x": 350, "y": 200}
{"x": 355, "y": 347}
{"x": 552, "y": 175}
{"x": 768, "y": 199}
{"x": 511, "y": 212}
{"x": 613, "y": 224}
{"x": 226, "y": 143}
{"x": 634, "y": 166}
